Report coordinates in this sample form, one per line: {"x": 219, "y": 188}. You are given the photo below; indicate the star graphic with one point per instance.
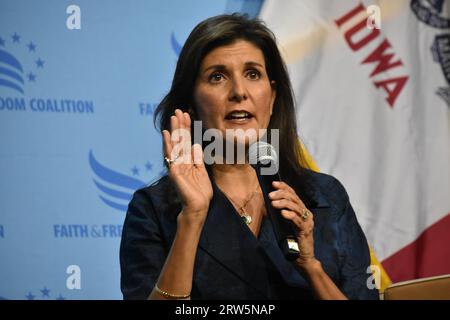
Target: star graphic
{"x": 135, "y": 171}
{"x": 31, "y": 46}
{"x": 31, "y": 77}
{"x": 148, "y": 166}
{"x": 2, "y": 42}
{"x": 29, "y": 296}
{"x": 15, "y": 37}
{"x": 60, "y": 297}
{"x": 45, "y": 292}
{"x": 40, "y": 63}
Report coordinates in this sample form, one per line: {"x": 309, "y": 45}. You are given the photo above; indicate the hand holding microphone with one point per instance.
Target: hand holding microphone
{"x": 293, "y": 209}
{"x": 294, "y": 232}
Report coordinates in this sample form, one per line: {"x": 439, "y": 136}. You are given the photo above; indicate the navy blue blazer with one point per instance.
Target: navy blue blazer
{"x": 231, "y": 263}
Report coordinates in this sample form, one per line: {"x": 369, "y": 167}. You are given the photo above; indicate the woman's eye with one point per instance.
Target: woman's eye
{"x": 215, "y": 77}
{"x": 253, "y": 75}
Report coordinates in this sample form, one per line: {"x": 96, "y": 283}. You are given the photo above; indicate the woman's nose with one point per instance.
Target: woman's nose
{"x": 238, "y": 91}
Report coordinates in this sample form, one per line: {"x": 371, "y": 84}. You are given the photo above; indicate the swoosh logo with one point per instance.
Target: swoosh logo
{"x": 115, "y": 189}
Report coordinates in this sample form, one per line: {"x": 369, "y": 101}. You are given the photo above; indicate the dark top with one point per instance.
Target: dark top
{"x": 231, "y": 263}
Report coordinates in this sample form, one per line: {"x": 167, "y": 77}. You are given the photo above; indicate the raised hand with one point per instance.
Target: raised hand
{"x": 187, "y": 169}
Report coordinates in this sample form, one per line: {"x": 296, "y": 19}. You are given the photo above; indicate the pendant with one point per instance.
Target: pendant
{"x": 245, "y": 216}
{"x": 247, "y": 219}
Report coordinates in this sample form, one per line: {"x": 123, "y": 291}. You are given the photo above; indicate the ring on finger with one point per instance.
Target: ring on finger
{"x": 305, "y": 214}
{"x": 169, "y": 162}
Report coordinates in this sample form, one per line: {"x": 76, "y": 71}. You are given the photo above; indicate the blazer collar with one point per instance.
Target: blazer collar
{"x": 226, "y": 237}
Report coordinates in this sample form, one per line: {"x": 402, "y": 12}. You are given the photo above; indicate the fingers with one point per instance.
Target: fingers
{"x": 305, "y": 228}
{"x": 286, "y": 204}
{"x": 184, "y": 120}
{"x": 284, "y": 194}
{"x": 292, "y": 216}
{"x": 187, "y": 120}
{"x": 177, "y": 142}
{"x": 167, "y": 144}
{"x": 285, "y": 198}
{"x": 170, "y": 152}
{"x": 181, "y": 126}
{"x": 177, "y": 121}
{"x": 283, "y": 186}
{"x": 285, "y": 191}
{"x": 291, "y": 207}
{"x": 180, "y": 117}
{"x": 174, "y": 124}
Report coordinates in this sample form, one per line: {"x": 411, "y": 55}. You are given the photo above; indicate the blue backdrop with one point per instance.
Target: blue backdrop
{"x": 77, "y": 135}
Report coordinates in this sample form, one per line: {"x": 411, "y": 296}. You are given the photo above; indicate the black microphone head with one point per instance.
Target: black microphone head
{"x": 262, "y": 153}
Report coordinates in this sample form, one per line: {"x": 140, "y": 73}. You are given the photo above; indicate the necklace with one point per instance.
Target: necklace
{"x": 243, "y": 213}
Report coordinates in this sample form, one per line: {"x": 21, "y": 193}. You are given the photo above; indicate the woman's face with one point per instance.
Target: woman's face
{"x": 233, "y": 90}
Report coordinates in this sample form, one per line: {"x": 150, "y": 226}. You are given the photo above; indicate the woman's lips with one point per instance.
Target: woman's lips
{"x": 239, "y": 117}
{"x": 239, "y": 121}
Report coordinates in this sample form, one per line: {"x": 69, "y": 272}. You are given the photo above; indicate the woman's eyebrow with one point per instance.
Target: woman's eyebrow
{"x": 253, "y": 63}
{"x": 215, "y": 67}
{"x": 223, "y": 67}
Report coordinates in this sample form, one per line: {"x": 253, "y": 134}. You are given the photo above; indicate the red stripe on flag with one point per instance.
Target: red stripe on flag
{"x": 427, "y": 256}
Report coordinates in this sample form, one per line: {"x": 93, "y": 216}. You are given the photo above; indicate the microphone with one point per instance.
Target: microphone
{"x": 263, "y": 157}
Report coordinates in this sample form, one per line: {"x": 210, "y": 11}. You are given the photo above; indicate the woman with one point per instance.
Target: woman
{"x": 183, "y": 236}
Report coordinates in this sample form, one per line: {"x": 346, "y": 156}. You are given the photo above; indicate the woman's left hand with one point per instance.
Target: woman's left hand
{"x": 292, "y": 208}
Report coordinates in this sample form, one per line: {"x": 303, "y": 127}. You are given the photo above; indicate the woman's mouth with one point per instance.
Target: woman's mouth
{"x": 239, "y": 116}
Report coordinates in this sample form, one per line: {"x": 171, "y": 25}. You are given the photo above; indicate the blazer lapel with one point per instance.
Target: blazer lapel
{"x": 287, "y": 270}
{"x": 226, "y": 237}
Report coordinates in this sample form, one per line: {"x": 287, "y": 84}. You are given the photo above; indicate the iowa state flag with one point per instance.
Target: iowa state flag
{"x": 374, "y": 110}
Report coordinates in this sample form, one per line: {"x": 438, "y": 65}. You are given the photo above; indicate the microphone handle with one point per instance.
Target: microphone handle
{"x": 284, "y": 230}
